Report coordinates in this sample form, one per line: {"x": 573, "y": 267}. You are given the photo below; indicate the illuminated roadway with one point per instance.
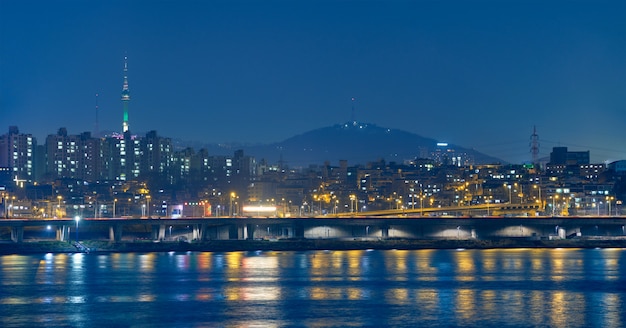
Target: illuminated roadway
{"x": 492, "y": 209}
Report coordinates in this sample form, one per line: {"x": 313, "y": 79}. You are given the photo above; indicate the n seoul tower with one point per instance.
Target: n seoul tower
{"x": 125, "y": 96}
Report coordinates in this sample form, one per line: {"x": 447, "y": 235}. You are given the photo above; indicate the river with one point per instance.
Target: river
{"x": 376, "y": 288}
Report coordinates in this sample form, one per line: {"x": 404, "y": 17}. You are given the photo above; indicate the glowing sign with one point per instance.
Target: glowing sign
{"x": 259, "y": 209}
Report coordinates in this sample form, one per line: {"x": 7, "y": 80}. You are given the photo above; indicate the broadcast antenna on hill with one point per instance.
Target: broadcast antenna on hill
{"x": 352, "y": 118}
{"x": 534, "y": 145}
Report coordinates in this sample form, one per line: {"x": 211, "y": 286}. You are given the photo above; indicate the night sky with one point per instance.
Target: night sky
{"x": 479, "y": 74}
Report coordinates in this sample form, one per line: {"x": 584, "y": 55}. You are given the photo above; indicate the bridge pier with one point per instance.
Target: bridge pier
{"x": 158, "y": 232}
{"x": 17, "y": 234}
{"x": 61, "y": 233}
{"x": 115, "y": 232}
{"x": 384, "y": 232}
{"x": 298, "y": 230}
{"x": 248, "y": 232}
{"x": 197, "y": 232}
{"x": 216, "y": 232}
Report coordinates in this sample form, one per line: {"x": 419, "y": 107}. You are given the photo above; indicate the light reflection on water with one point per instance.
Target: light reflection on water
{"x": 514, "y": 287}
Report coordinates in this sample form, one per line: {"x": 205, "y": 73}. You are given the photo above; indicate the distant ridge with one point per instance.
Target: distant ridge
{"x": 358, "y": 143}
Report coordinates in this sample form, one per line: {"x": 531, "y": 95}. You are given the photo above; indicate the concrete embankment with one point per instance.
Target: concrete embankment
{"x": 298, "y": 245}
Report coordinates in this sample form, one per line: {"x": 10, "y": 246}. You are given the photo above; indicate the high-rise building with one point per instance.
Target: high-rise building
{"x": 125, "y": 97}
{"x": 156, "y": 153}
{"x": 122, "y": 157}
{"x": 17, "y": 154}
{"x": 73, "y": 156}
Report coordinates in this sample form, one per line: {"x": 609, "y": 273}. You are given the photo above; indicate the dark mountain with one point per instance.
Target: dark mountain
{"x": 358, "y": 143}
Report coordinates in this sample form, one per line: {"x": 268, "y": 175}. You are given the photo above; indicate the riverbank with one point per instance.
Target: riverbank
{"x": 298, "y": 245}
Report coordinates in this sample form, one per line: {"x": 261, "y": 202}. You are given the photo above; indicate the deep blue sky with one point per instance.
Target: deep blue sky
{"x": 479, "y": 74}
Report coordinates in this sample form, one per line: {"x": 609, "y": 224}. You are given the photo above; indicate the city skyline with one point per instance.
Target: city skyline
{"x": 478, "y": 75}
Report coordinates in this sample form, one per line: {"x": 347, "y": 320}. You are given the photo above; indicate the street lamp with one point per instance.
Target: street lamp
{"x": 509, "y": 187}
{"x": 95, "y": 205}
{"x": 554, "y": 197}
{"x": 353, "y": 204}
{"x": 148, "y": 205}
{"x": 608, "y": 200}
{"x": 539, "y": 190}
{"x": 114, "y": 201}
{"x": 59, "y": 198}
{"x": 11, "y": 207}
{"x": 232, "y": 200}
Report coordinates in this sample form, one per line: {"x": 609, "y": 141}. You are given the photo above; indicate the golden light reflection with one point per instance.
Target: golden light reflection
{"x": 613, "y": 305}
{"x": 428, "y": 299}
{"x": 515, "y": 299}
{"x": 558, "y": 309}
{"x": 115, "y": 260}
{"x": 557, "y": 269}
{"x": 488, "y": 297}
{"x": 354, "y": 264}
{"x": 466, "y": 269}
{"x": 332, "y": 293}
{"x": 146, "y": 298}
{"x": 337, "y": 259}
{"x": 396, "y": 295}
{"x": 354, "y": 293}
{"x": 258, "y": 323}
{"x": 489, "y": 264}
{"x": 465, "y": 300}
{"x": 234, "y": 264}
{"x": 60, "y": 261}
{"x": 536, "y": 264}
{"x": 146, "y": 262}
{"x": 611, "y": 269}
{"x": 260, "y": 293}
{"x": 396, "y": 261}
{"x": 260, "y": 268}
{"x": 14, "y": 300}
{"x": 423, "y": 263}
{"x": 318, "y": 262}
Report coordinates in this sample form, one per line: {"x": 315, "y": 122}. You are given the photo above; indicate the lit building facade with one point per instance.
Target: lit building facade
{"x": 73, "y": 156}
{"x": 17, "y": 153}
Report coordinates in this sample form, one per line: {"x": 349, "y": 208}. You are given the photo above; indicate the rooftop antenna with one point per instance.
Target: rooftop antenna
{"x": 97, "y": 131}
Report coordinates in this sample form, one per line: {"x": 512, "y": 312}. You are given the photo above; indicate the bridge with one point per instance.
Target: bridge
{"x": 370, "y": 227}
{"x": 529, "y": 209}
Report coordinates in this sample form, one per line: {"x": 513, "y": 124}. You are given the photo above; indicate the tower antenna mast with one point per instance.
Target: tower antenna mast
{"x": 97, "y": 132}
{"x": 352, "y": 116}
{"x": 125, "y": 96}
{"x": 534, "y": 146}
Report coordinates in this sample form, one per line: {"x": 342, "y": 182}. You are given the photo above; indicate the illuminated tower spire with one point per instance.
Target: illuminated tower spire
{"x": 125, "y": 95}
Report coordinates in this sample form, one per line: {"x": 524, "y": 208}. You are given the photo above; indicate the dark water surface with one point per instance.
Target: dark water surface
{"x": 469, "y": 288}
